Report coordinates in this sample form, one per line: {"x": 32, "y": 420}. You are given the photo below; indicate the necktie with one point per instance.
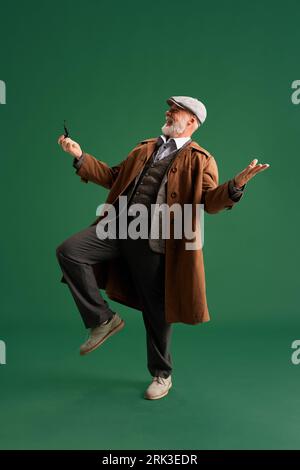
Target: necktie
{"x": 162, "y": 148}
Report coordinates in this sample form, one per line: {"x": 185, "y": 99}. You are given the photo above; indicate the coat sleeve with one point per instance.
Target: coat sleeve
{"x": 215, "y": 197}
{"x": 98, "y": 172}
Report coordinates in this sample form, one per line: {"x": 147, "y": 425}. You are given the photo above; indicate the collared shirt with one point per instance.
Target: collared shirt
{"x": 165, "y": 147}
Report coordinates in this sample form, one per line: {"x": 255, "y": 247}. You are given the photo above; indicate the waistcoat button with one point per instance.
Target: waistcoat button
{"x": 174, "y": 169}
{"x": 173, "y": 194}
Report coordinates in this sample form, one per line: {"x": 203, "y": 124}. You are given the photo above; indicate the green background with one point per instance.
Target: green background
{"x": 108, "y": 69}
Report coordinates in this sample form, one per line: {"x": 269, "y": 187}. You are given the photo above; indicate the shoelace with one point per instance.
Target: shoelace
{"x": 159, "y": 380}
{"x": 89, "y": 333}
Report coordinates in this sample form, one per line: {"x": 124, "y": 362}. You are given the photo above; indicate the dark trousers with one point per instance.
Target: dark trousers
{"x": 77, "y": 254}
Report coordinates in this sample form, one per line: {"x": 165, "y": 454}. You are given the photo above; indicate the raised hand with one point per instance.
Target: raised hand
{"x": 70, "y": 146}
{"x": 251, "y": 170}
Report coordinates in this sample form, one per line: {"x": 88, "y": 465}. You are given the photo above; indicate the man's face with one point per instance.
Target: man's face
{"x": 176, "y": 121}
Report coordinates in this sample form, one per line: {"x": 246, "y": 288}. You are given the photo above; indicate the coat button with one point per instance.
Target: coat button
{"x": 174, "y": 169}
{"x": 173, "y": 194}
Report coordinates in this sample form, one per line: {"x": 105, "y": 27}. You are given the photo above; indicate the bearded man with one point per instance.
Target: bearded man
{"x": 159, "y": 277}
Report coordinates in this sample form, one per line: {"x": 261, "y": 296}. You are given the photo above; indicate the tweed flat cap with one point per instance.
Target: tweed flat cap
{"x": 191, "y": 104}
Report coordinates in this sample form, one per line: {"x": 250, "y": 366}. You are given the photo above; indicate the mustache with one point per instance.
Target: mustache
{"x": 172, "y": 126}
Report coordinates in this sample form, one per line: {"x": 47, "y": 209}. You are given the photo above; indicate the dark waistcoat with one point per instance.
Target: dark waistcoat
{"x": 147, "y": 186}
{"x": 145, "y": 189}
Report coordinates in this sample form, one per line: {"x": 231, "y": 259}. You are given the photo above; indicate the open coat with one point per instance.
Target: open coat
{"x": 191, "y": 179}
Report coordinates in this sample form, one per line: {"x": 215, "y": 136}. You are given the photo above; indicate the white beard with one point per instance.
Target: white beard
{"x": 175, "y": 128}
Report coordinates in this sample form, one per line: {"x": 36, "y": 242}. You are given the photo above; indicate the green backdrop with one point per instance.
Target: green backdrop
{"x": 108, "y": 69}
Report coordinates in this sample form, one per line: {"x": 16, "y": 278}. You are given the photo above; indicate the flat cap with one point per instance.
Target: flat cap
{"x": 191, "y": 104}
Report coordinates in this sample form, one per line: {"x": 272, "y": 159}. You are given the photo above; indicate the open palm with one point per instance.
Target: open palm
{"x": 251, "y": 170}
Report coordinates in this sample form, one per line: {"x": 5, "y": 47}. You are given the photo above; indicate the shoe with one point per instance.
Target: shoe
{"x": 158, "y": 388}
{"x": 101, "y": 333}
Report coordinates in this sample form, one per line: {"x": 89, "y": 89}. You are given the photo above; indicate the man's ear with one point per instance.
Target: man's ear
{"x": 194, "y": 120}
{"x": 195, "y": 123}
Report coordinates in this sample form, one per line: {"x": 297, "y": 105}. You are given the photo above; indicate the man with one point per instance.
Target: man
{"x": 160, "y": 277}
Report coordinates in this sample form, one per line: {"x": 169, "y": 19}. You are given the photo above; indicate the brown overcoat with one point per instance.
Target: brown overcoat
{"x": 192, "y": 179}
